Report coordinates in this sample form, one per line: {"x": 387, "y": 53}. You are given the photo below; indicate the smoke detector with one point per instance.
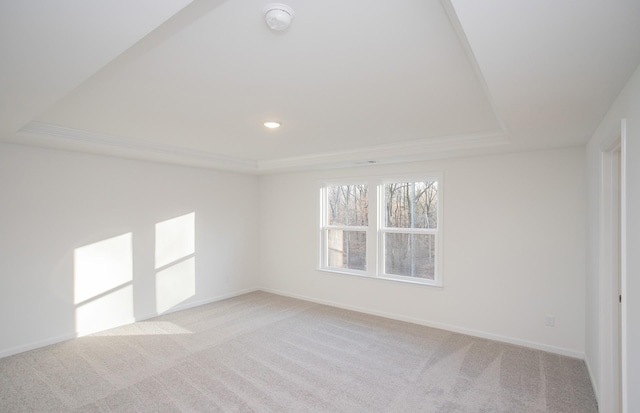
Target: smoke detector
{"x": 278, "y": 16}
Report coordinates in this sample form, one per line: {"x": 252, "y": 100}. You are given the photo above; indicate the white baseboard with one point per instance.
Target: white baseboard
{"x": 36, "y": 344}
{"x": 188, "y": 305}
{"x": 442, "y": 326}
{"x": 595, "y": 384}
{"x": 54, "y": 340}
{"x": 457, "y": 329}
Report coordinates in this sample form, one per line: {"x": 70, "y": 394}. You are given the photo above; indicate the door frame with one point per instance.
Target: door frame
{"x": 613, "y": 316}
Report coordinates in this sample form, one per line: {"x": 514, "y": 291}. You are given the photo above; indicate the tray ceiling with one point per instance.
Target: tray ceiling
{"x": 351, "y": 82}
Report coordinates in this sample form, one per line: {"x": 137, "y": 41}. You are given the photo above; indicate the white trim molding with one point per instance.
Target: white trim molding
{"x": 70, "y": 336}
{"x": 623, "y": 264}
{"x": 611, "y": 385}
{"x": 448, "y": 327}
{"x": 58, "y": 137}
{"x": 408, "y": 151}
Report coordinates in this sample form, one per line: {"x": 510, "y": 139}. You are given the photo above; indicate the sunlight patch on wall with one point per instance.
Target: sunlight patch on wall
{"x": 175, "y": 284}
{"x": 108, "y": 311}
{"x": 175, "y": 261}
{"x": 103, "y": 288}
{"x": 175, "y": 239}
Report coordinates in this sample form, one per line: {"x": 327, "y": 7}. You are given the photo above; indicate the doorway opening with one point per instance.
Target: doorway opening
{"x": 613, "y": 274}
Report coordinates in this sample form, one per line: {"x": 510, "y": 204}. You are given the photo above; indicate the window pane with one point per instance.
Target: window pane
{"x": 412, "y": 255}
{"x": 411, "y": 204}
{"x": 347, "y": 205}
{"x": 347, "y": 249}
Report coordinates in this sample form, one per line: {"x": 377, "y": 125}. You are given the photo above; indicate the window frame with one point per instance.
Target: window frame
{"x": 375, "y": 248}
{"x": 325, "y": 227}
{"x": 382, "y": 228}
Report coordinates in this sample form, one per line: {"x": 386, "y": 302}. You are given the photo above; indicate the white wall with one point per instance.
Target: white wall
{"x": 626, "y": 106}
{"x": 514, "y": 248}
{"x": 54, "y": 203}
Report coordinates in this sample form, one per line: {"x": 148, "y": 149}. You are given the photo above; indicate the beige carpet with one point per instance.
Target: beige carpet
{"x": 264, "y": 353}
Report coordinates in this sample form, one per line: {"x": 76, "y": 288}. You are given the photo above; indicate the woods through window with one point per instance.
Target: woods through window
{"x": 392, "y": 231}
{"x": 347, "y": 223}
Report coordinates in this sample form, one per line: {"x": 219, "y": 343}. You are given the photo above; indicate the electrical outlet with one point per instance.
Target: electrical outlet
{"x": 550, "y": 320}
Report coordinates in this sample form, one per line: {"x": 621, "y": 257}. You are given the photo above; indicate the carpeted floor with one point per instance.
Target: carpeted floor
{"x": 265, "y": 353}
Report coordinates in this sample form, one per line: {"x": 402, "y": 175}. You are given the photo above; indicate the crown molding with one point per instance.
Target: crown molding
{"x": 408, "y": 151}
{"x": 58, "y": 137}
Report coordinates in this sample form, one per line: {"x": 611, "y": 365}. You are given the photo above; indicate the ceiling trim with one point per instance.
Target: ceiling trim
{"x": 44, "y": 134}
{"x": 408, "y": 151}
{"x": 53, "y": 136}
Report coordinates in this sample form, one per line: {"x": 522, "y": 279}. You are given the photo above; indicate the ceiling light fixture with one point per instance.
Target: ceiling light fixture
{"x": 272, "y": 125}
{"x": 278, "y": 16}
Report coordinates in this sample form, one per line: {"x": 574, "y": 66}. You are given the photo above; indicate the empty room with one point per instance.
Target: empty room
{"x": 327, "y": 206}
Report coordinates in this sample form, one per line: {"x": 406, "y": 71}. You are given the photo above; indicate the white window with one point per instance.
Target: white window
{"x": 345, "y": 221}
{"x": 397, "y": 229}
{"x": 409, "y": 229}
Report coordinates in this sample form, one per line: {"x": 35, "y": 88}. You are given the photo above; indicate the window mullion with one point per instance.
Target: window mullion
{"x": 409, "y": 230}
{"x": 346, "y": 227}
{"x": 372, "y": 242}
{"x": 381, "y": 222}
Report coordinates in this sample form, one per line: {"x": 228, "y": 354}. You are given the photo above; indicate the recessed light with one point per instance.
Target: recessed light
{"x": 272, "y": 125}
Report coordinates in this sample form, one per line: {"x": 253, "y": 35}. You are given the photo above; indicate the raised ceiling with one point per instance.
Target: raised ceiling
{"x": 191, "y": 82}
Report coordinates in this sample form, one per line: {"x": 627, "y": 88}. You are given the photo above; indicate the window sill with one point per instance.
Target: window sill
{"x": 405, "y": 280}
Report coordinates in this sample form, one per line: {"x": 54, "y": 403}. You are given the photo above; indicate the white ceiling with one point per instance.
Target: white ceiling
{"x": 191, "y": 82}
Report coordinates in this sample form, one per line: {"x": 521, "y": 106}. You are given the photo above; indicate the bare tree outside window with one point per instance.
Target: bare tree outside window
{"x": 411, "y": 210}
{"x": 404, "y": 231}
{"x": 348, "y": 205}
{"x": 346, "y": 232}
